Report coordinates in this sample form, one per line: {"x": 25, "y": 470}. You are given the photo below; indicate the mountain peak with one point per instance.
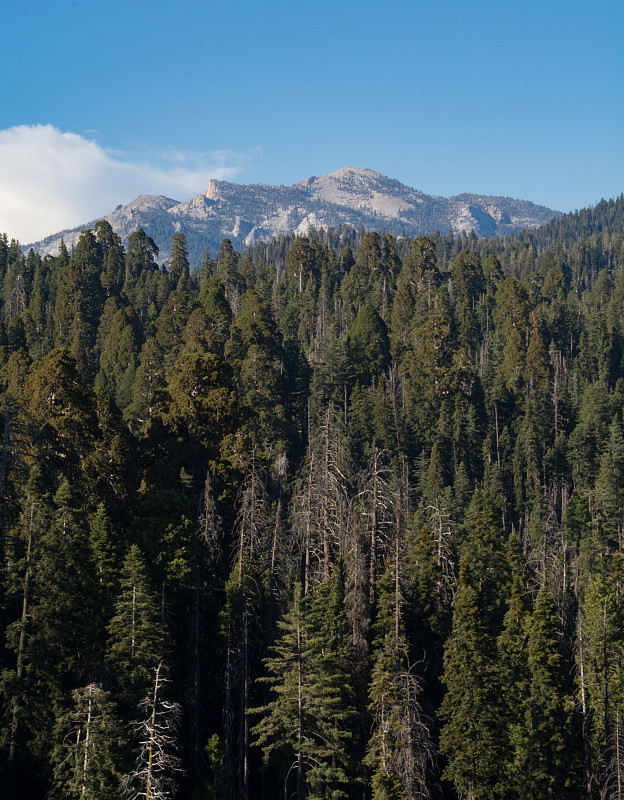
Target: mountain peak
{"x": 356, "y": 172}
{"x": 215, "y": 188}
{"x": 363, "y": 189}
{"x": 345, "y": 173}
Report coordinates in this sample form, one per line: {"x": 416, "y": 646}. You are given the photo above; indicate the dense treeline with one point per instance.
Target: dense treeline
{"x": 340, "y": 516}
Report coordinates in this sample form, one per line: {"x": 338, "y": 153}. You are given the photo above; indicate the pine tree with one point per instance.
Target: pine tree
{"x": 140, "y": 255}
{"x": 178, "y": 257}
{"x": 171, "y": 323}
{"x": 227, "y": 274}
{"x": 400, "y": 751}
{"x": 58, "y": 634}
{"x": 149, "y": 381}
{"x": 602, "y": 680}
{"x": 467, "y": 275}
{"x": 470, "y": 736}
{"x": 514, "y": 680}
{"x": 214, "y": 303}
{"x": 22, "y": 555}
{"x": 61, "y": 405}
{"x": 135, "y": 637}
{"x": 550, "y": 757}
{"x": 113, "y": 257}
{"x": 511, "y": 316}
{"x": 87, "y": 758}
{"x": 63, "y": 612}
{"x": 483, "y": 552}
{"x": 300, "y": 263}
{"x": 307, "y": 720}
{"x": 105, "y": 553}
{"x": 368, "y": 345}
{"x": 120, "y": 357}
{"x": 256, "y": 355}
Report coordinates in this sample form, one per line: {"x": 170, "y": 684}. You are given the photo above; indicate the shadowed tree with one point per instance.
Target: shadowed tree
{"x": 89, "y": 755}
{"x": 400, "y": 750}
{"x": 135, "y": 637}
{"x": 469, "y": 737}
{"x": 155, "y": 776}
{"x": 306, "y": 723}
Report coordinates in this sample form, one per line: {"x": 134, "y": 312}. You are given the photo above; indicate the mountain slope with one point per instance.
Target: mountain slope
{"x": 357, "y": 197}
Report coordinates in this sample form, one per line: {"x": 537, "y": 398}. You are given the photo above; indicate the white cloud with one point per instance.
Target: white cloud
{"x": 51, "y": 180}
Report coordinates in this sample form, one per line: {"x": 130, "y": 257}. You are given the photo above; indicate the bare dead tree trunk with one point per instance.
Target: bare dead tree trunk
{"x": 251, "y": 522}
{"x": 21, "y": 646}
{"x": 85, "y": 760}
{"x": 320, "y": 507}
{"x": 244, "y": 706}
{"x": 300, "y": 721}
{"x": 619, "y": 777}
{"x": 209, "y": 523}
{"x": 195, "y": 706}
{"x": 158, "y": 761}
{"x": 4, "y": 461}
{"x": 376, "y": 502}
{"x": 584, "y": 706}
{"x": 605, "y": 672}
{"x": 497, "y": 445}
{"x": 326, "y": 528}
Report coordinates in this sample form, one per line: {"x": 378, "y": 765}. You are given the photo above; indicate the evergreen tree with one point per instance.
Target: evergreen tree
{"x": 514, "y": 678}
{"x": 400, "y": 751}
{"x": 149, "y": 381}
{"x": 368, "y": 345}
{"x": 483, "y": 552}
{"x": 61, "y": 641}
{"x": 113, "y": 257}
{"x": 120, "y": 356}
{"x": 106, "y": 556}
{"x": 305, "y": 722}
{"x": 87, "y": 758}
{"x": 470, "y": 736}
{"x": 135, "y": 637}
{"x": 213, "y": 301}
{"x": 178, "y": 257}
{"x": 601, "y": 680}
{"x": 140, "y": 255}
{"x": 549, "y": 751}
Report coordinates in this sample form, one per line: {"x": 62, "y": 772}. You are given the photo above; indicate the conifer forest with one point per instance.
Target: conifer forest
{"x": 340, "y": 516}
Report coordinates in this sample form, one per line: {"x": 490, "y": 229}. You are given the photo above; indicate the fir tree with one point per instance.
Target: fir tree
{"x": 87, "y": 759}
{"x": 470, "y": 736}
{"x": 305, "y": 721}
{"x": 400, "y": 751}
{"x": 135, "y": 637}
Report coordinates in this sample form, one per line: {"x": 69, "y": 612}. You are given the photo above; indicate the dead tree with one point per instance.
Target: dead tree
{"x": 321, "y": 501}
{"x": 244, "y": 588}
{"x": 376, "y": 500}
{"x": 158, "y": 763}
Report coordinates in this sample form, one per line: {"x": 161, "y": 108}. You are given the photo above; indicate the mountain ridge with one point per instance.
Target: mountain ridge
{"x": 247, "y": 213}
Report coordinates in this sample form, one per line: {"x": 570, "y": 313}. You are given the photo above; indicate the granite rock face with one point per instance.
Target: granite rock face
{"x": 358, "y": 197}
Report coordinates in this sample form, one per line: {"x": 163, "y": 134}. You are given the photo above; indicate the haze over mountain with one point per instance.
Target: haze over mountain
{"x": 358, "y": 197}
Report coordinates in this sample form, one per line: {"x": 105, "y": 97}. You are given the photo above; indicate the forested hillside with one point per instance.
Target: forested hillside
{"x": 338, "y": 517}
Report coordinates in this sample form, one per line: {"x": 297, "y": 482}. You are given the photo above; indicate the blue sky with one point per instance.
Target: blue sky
{"x": 101, "y": 101}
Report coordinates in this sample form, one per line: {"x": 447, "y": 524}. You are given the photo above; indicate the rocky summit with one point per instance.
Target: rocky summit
{"x": 358, "y": 197}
